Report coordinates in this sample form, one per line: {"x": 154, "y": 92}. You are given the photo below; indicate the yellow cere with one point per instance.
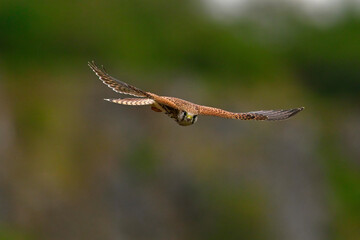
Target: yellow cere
{"x": 189, "y": 117}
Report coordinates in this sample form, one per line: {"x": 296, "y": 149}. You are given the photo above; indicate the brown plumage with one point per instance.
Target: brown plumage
{"x": 185, "y": 113}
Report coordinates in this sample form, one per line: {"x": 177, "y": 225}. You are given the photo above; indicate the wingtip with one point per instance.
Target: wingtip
{"x": 91, "y": 64}
{"x": 107, "y": 99}
{"x": 296, "y": 111}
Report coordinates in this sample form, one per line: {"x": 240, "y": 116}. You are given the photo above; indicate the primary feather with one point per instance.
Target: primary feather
{"x": 116, "y": 85}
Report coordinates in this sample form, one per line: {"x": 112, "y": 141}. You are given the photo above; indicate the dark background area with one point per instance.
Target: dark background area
{"x": 73, "y": 166}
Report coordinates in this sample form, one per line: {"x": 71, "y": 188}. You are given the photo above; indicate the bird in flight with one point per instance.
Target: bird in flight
{"x": 185, "y": 113}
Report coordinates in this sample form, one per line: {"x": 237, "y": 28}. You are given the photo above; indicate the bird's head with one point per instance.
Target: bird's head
{"x": 186, "y": 119}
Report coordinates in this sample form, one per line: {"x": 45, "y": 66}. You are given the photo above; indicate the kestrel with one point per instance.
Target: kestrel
{"x": 185, "y": 113}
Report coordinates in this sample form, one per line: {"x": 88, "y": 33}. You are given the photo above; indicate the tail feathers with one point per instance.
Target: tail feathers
{"x": 131, "y": 101}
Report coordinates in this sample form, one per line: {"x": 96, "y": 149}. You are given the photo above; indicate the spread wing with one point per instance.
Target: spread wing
{"x": 116, "y": 85}
{"x": 132, "y": 101}
{"x": 268, "y": 115}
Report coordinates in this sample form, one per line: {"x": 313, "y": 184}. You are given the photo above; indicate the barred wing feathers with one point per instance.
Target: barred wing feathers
{"x": 116, "y": 85}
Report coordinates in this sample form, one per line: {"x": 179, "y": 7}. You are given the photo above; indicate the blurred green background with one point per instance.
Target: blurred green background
{"x": 73, "y": 166}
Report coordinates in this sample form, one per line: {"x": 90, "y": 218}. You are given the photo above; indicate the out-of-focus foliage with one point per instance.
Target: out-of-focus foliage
{"x": 75, "y": 167}
{"x": 327, "y": 59}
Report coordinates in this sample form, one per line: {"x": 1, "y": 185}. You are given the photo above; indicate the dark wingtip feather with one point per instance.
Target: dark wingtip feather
{"x": 297, "y": 110}
{"x": 283, "y": 114}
